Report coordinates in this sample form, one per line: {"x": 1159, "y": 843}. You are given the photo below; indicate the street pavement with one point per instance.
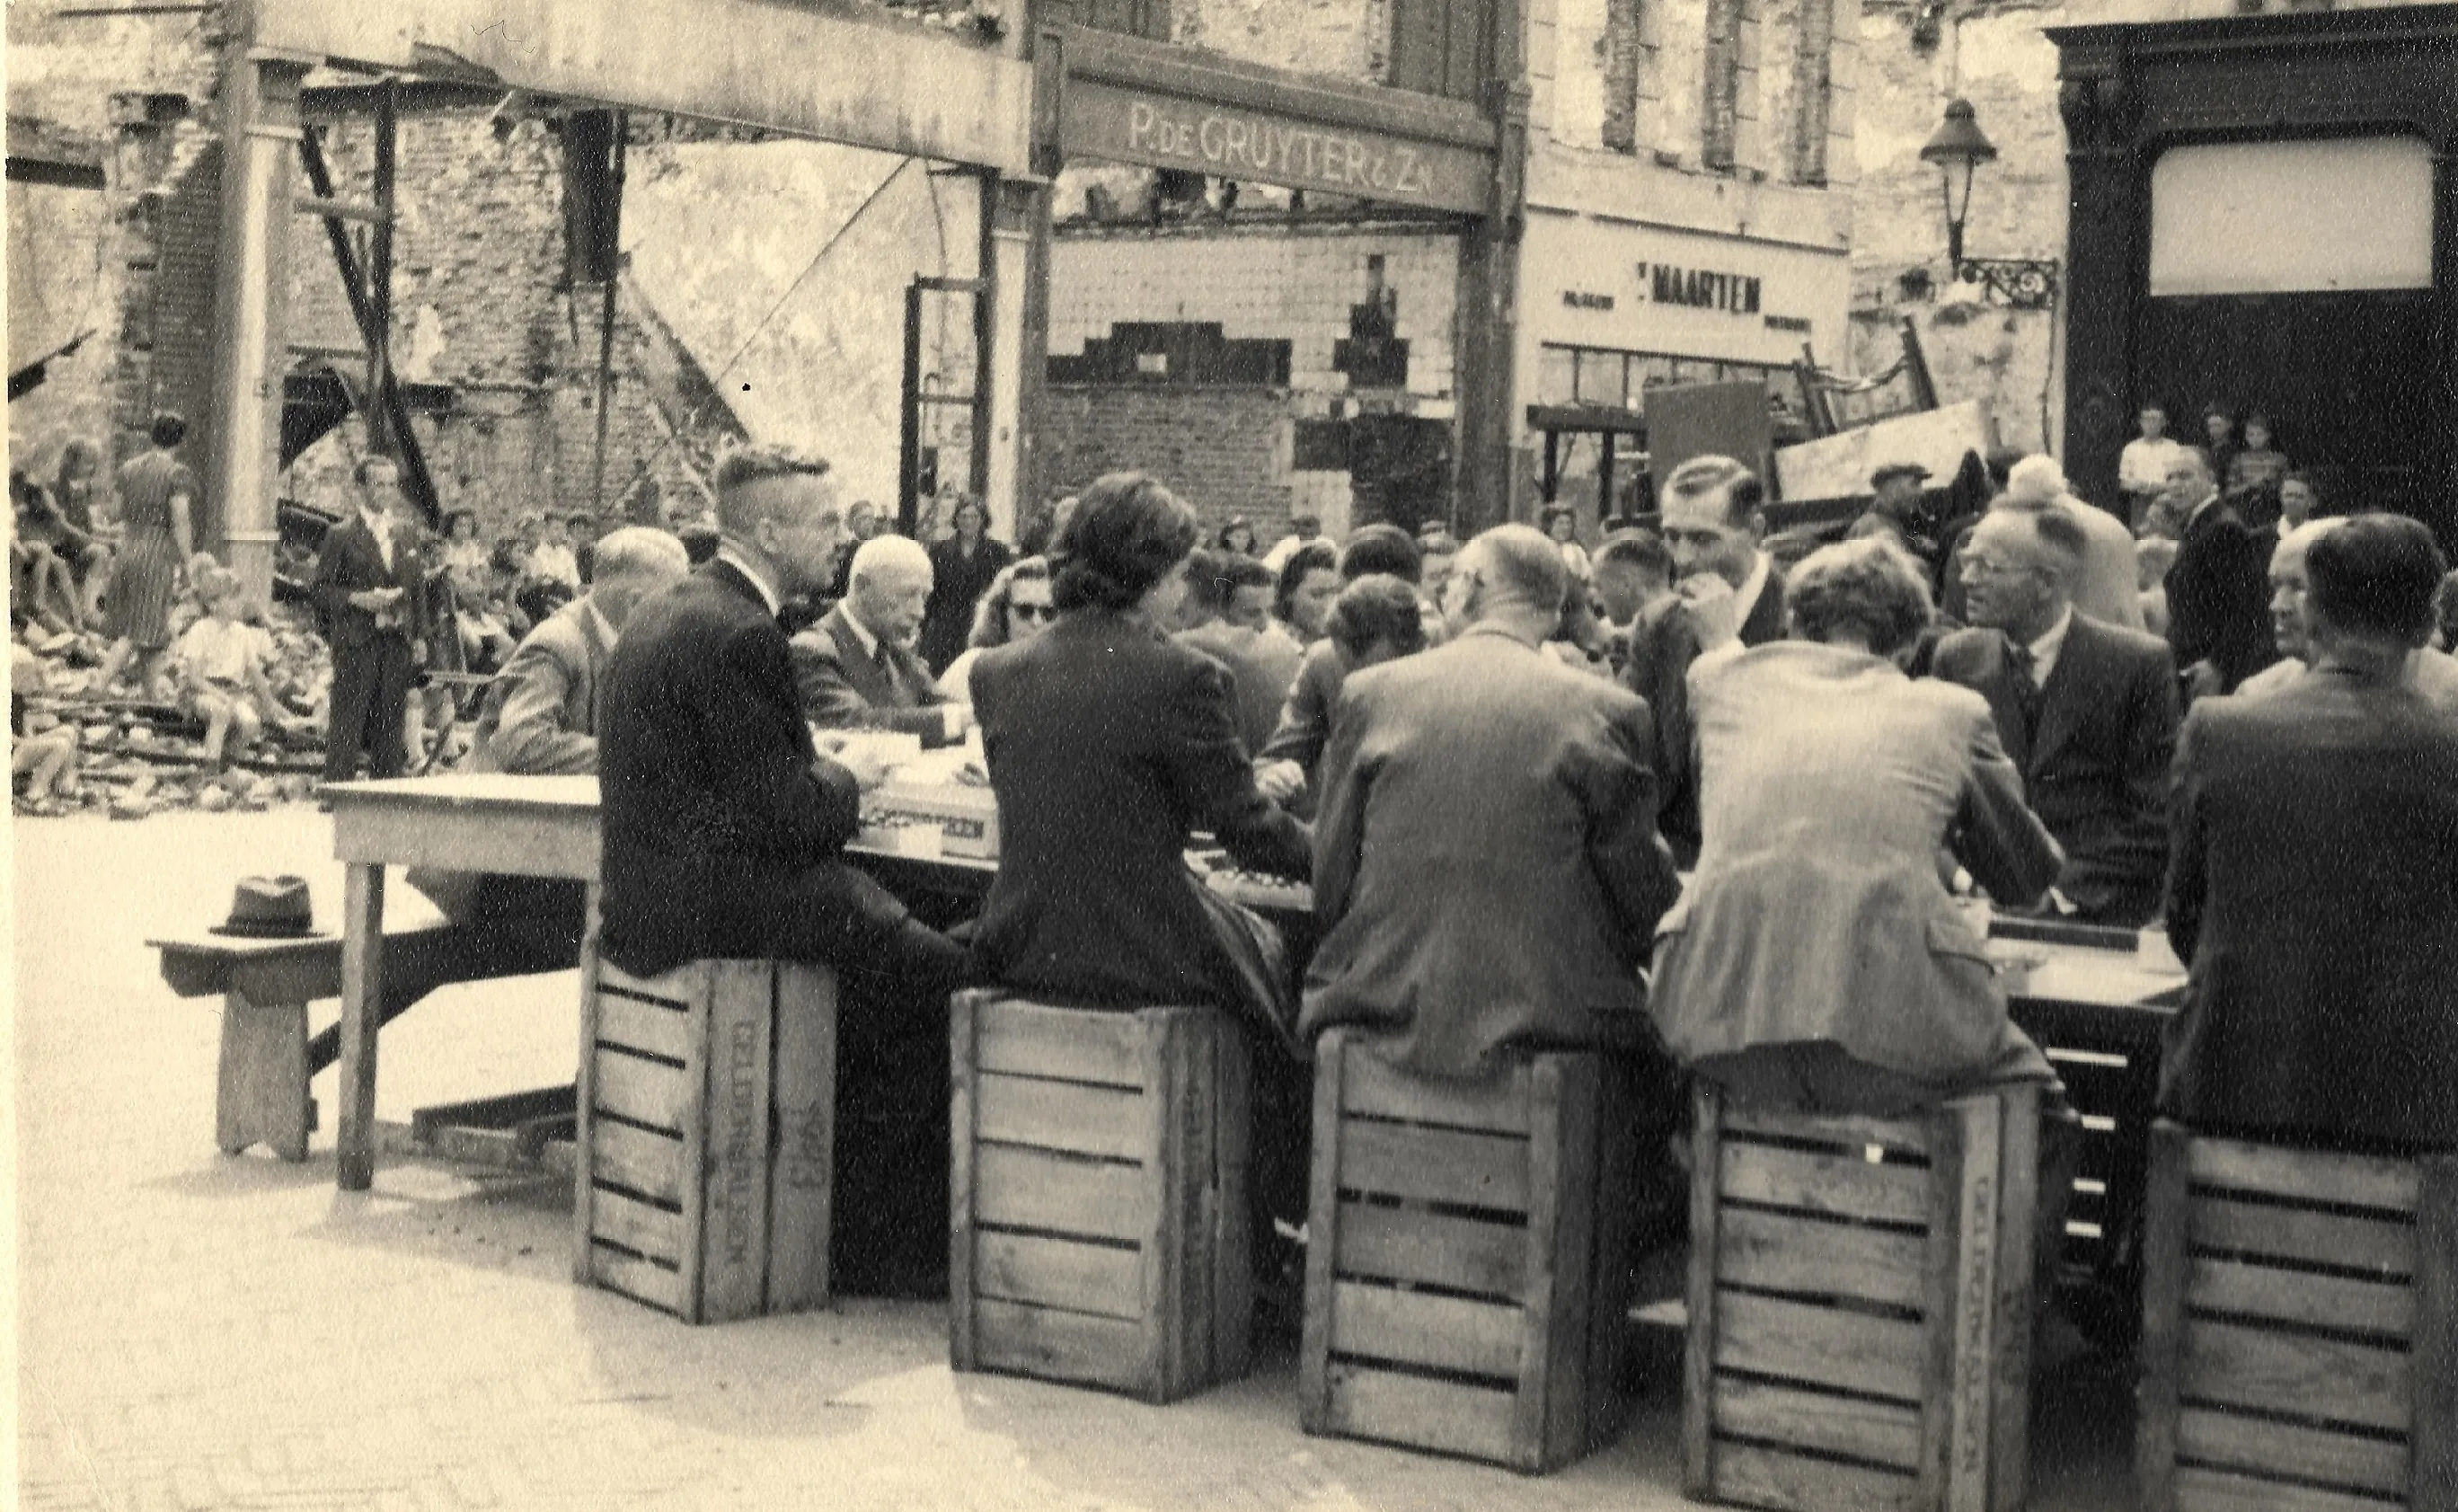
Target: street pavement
{"x": 197, "y": 1331}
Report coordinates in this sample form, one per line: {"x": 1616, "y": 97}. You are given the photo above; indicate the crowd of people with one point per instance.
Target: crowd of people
{"x": 1495, "y": 762}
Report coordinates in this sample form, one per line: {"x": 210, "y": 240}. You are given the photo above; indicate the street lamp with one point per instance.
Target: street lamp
{"x": 1958, "y": 147}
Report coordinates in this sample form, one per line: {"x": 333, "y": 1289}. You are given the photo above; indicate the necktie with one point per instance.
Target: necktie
{"x": 2022, "y": 673}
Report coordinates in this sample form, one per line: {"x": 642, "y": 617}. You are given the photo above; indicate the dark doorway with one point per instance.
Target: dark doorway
{"x": 1399, "y": 470}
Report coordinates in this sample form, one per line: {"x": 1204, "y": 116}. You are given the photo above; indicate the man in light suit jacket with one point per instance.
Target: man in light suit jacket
{"x": 1713, "y": 526}
{"x": 2314, "y": 894}
{"x": 2086, "y": 710}
{"x": 1486, "y": 868}
{"x": 723, "y": 837}
{"x": 857, "y": 667}
{"x": 367, "y": 581}
{"x": 540, "y": 716}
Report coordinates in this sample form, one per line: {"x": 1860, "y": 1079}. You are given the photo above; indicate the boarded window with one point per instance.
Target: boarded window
{"x": 2292, "y": 217}
{"x": 1719, "y": 101}
{"x": 1624, "y": 62}
{"x": 1438, "y": 47}
{"x": 1812, "y": 90}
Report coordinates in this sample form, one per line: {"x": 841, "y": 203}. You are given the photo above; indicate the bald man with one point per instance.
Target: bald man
{"x": 857, "y": 669}
{"x": 1488, "y": 873}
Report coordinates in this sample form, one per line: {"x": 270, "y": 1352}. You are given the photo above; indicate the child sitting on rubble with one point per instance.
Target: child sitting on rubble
{"x": 223, "y": 657}
{"x": 39, "y": 744}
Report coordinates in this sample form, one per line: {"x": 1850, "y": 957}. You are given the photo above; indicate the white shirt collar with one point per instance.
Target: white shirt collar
{"x": 2046, "y": 650}
{"x": 742, "y": 564}
{"x": 862, "y": 633}
{"x": 606, "y": 630}
{"x": 1746, "y": 600}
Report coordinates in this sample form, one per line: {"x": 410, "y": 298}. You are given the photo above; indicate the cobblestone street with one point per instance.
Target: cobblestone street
{"x": 206, "y": 1332}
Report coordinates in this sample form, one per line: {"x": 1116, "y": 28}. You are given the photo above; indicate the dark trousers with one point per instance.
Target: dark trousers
{"x": 370, "y": 702}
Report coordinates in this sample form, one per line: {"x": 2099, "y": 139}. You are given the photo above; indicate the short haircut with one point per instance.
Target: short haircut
{"x": 1527, "y": 566}
{"x": 741, "y": 469}
{"x": 1238, "y": 572}
{"x": 886, "y": 553}
{"x": 361, "y": 469}
{"x": 1699, "y": 476}
{"x": 639, "y": 550}
{"x": 2195, "y": 458}
{"x": 1377, "y": 607}
{"x": 1203, "y": 582}
{"x": 1637, "y": 547}
{"x": 169, "y": 429}
{"x": 1871, "y": 585}
{"x": 2147, "y": 405}
{"x": 1312, "y": 557}
{"x": 1383, "y": 550}
{"x": 990, "y": 615}
{"x": 1125, "y": 535}
{"x": 2310, "y": 480}
{"x": 2376, "y": 575}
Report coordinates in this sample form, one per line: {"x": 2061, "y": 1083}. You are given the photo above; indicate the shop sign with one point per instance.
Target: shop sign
{"x": 1163, "y": 130}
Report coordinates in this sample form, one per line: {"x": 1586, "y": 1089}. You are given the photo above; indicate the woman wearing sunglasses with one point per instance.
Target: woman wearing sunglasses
{"x": 1014, "y": 608}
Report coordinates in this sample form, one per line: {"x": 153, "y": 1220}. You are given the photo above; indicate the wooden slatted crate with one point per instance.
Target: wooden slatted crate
{"x": 1859, "y": 1305}
{"x": 704, "y": 1154}
{"x": 1098, "y": 1196}
{"x": 1466, "y": 1264}
{"x": 2299, "y": 1331}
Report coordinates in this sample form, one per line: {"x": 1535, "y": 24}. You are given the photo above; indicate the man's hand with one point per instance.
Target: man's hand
{"x": 373, "y": 598}
{"x": 1714, "y": 609}
{"x": 868, "y": 771}
{"x": 1280, "y": 781}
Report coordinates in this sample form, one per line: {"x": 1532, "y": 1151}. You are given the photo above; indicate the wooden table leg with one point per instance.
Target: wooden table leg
{"x": 362, "y": 1002}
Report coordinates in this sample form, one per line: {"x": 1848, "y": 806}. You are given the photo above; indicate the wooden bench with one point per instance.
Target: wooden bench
{"x": 267, "y": 1057}
{"x": 2299, "y": 1339}
{"x": 1465, "y": 1265}
{"x": 1859, "y": 1306}
{"x": 1098, "y": 1196}
{"x": 705, "y": 1150}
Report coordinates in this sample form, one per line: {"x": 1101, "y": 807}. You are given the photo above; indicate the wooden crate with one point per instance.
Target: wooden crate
{"x": 705, "y": 1150}
{"x": 1859, "y": 1306}
{"x": 2300, "y": 1330}
{"x": 1098, "y": 1196}
{"x": 1465, "y": 1273}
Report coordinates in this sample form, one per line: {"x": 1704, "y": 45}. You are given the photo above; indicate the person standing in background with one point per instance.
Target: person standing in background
{"x": 2142, "y": 466}
{"x": 158, "y": 498}
{"x": 962, "y": 568}
{"x": 367, "y": 584}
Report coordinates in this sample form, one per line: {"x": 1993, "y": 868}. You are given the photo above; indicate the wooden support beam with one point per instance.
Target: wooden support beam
{"x": 336, "y": 209}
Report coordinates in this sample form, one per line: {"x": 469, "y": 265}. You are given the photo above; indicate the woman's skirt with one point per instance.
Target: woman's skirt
{"x": 136, "y": 603}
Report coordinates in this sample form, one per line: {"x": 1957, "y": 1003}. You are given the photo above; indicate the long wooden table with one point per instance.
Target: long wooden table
{"x": 2080, "y": 1000}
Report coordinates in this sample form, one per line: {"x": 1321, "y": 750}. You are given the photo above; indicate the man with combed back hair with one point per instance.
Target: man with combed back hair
{"x": 724, "y": 830}
{"x": 1486, "y": 868}
{"x": 858, "y": 669}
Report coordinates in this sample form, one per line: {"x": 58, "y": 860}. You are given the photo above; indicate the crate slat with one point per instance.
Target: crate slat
{"x": 1410, "y": 1244}
{"x": 1419, "y": 1328}
{"x": 2217, "y": 1491}
{"x": 2319, "y": 1176}
{"x": 1059, "y": 1273}
{"x": 1436, "y": 1165}
{"x": 1780, "y": 1252}
{"x": 649, "y": 1164}
{"x": 1060, "y": 1116}
{"x": 2287, "y": 1234}
{"x": 2300, "y": 1296}
{"x": 652, "y": 1231}
{"x": 637, "y": 1025}
{"x": 1769, "y": 1478}
{"x": 802, "y": 1187}
{"x": 2264, "y": 1448}
{"x": 643, "y": 1091}
{"x": 1824, "y": 1345}
{"x": 1418, "y": 1411}
{"x": 2286, "y": 1372}
{"x": 1373, "y": 1089}
{"x": 1877, "y": 1432}
{"x": 637, "y": 1279}
{"x": 1847, "y": 1186}
{"x": 1845, "y": 1131}
{"x": 1016, "y": 1188}
{"x": 1050, "y": 1343}
{"x": 1026, "y": 1039}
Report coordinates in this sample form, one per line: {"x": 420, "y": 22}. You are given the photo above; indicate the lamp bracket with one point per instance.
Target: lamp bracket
{"x": 2018, "y": 283}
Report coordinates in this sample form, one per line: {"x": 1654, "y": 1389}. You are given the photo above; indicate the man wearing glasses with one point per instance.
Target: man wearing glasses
{"x": 2086, "y": 710}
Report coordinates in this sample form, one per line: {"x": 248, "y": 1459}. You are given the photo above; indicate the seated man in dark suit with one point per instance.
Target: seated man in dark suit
{"x": 858, "y": 669}
{"x": 2086, "y": 710}
{"x": 2314, "y": 892}
{"x": 1713, "y": 528}
{"x": 2218, "y": 592}
{"x": 723, "y": 830}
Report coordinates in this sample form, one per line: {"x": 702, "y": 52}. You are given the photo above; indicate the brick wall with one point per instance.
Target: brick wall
{"x": 1224, "y": 450}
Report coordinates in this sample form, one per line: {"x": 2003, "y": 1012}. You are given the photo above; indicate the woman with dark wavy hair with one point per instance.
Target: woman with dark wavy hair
{"x": 1109, "y": 745}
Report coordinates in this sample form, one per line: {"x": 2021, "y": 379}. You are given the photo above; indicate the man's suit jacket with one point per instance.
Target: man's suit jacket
{"x": 352, "y": 562}
{"x": 1817, "y": 914}
{"x": 1486, "y": 867}
{"x": 2095, "y": 770}
{"x": 2314, "y": 894}
{"x": 1663, "y": 643}
{"x": 847, "y": 688}
{"x": 1262, "y": 665}
{"x": 540, "y": 716}
{"x": 712, "y": 796}
{"x": 1109, "y": 744}
{"x": 2219, "y": 598}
